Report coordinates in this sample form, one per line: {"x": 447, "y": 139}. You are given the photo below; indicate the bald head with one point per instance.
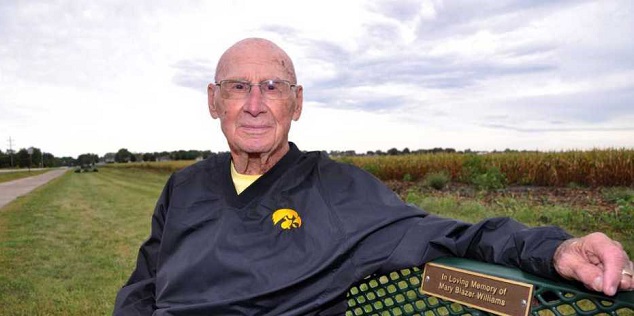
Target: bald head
{"x": 265, "y": 51}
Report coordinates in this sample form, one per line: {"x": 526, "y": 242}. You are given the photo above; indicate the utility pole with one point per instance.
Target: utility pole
{"x": 30, "y": 151}
{"x": 11, "y": 150}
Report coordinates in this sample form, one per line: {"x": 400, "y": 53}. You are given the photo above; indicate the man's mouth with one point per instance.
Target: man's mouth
{"x": 255, "y": 129}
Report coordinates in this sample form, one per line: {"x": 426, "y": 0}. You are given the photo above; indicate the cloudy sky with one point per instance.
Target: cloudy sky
{"x": 96, "y": 76}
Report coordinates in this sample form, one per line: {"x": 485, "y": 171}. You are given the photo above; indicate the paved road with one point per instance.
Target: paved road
{"x": 9, "y": 191}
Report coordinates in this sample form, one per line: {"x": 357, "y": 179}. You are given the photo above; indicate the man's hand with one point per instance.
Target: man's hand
{"x": 597, "y": 261}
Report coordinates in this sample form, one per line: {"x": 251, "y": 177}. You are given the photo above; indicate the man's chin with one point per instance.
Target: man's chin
{"x": 253, "y": 148}
{"x": 256, "y": 148}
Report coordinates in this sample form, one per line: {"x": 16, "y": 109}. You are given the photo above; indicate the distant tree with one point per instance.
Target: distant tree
{"x": 185, "y": 154}
{"x": 176, "y": 155}
{"x": 65, "y": 161}
{"x": 405, "y": 150}
{"x": 123, "y": 155}
{"x": 23, "y": 158}
{"x": 109, "y": 157}
{"x": 192, "y": 154}
{"x": 36, "y": 158}
{"x": 392, "y": 152}
{"x": 163, "y": 156}
{"x": 149, "y": 157}
{"x": 87, "y": 159}
{"x": 369, "y": 153}
{"x": 12, "y": 158}
{"x": 4, "y": 160}
{"x": 49, "y": 160}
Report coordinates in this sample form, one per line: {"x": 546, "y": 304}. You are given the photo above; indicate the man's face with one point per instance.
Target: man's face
{"x": 254, "y": 124}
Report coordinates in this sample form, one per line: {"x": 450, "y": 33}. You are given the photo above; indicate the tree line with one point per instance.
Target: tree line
{"x": 123, "y": 155}
{"x": 407, "y": 151}
{"x": 393, "y": 152}
{"x": 37, "y": 159}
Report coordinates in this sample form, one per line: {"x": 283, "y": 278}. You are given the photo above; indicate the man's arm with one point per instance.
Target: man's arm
{"x": 137, "y": 296}
{"x": 414, "y": 237}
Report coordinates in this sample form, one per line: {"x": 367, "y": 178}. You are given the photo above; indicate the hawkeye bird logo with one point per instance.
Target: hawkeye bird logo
{"x": 286, "y": 218}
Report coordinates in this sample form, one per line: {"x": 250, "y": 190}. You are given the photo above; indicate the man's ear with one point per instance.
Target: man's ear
{"x": 213, "y": 110}
{"x": 299, "y": 102}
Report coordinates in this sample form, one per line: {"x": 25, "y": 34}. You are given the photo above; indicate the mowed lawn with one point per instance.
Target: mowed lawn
{"x": 67, "y": 247}
{"x": 15, "y": 175}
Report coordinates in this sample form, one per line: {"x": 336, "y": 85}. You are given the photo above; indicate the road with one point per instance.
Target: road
{"x": 11, "y": 190}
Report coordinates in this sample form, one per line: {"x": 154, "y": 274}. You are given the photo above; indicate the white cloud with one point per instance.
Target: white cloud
{"x": 81, "y": 77}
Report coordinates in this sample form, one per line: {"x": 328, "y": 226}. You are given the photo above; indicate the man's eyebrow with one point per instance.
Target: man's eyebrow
{"x": 236, "y": 78}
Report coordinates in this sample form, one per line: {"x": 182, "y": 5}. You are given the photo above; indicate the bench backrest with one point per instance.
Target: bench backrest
{"x": 399, "y": 293}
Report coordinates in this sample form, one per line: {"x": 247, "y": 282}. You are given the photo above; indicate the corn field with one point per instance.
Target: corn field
{"x": 159, "y": 166}
{"x": 594, "y": 168}
{"x": 609, "y": 167}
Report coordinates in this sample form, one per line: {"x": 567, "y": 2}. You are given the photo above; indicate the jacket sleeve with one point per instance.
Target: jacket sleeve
{"x": 495, "y": 240}
{"x": 390, "y": 234}
{"x": 137, "y": 296}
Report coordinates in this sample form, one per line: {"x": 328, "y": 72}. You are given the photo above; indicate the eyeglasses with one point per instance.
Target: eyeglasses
{"x": 270, "y": 89}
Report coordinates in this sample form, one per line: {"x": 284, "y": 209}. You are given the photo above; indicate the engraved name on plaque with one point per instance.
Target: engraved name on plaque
{"x": 484, "y": 292}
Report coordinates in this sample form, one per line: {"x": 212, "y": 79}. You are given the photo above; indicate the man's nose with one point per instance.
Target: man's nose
{"x": 255, "y": 102}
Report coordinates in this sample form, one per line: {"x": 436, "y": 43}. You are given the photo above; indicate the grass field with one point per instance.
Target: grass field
{"x": 618, "y": 225}
{"x": 69, "y": 246}
{"x": 10, "y": 176}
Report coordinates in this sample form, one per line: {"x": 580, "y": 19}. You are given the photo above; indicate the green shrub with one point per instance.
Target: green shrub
{"x": 492, "y": 179}
{"x": 373, "y": 169}
{"x": 618, "y": 194}
{"x": 472, "y": 166}
{"x": 437, "y": 180}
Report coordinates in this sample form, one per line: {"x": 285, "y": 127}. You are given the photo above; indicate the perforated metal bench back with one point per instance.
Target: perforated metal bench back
{"x": 398, "y": 293}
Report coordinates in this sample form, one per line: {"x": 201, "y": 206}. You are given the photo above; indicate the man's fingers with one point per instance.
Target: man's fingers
{"x": 591, "y": 276}
{"x": 597, "y": 261}
{"x": 611, "y": 255}
{"x": 627, "y": 277}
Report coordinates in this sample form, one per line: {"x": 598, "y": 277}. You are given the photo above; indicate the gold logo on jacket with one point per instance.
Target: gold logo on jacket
{"x": 286, "y": 218}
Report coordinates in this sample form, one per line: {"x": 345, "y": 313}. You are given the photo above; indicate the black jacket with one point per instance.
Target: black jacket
{"x": 213, "y": 252}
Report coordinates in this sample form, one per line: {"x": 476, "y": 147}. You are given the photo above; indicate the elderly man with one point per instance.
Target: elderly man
{"x": 270, "y": 230}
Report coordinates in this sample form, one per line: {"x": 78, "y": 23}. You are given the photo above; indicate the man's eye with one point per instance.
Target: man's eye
{"x": 271, "y": 87}
{"x": 238, "y": 86}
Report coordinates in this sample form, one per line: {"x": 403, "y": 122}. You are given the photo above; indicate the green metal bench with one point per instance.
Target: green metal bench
{"x": 399, "y": 293}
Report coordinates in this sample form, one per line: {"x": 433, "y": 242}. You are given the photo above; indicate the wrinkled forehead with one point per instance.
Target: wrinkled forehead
{"x": 255, "y": 61}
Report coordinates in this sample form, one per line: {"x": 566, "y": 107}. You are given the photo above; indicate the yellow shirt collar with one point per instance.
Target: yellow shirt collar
{"x": 242, "y": 181}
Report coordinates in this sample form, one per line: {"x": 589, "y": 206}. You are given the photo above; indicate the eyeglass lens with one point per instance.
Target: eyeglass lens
{"x": 270, "y": 89}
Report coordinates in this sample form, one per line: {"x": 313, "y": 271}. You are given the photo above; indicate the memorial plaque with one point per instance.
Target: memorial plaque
{"x": 485, "y": 292}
